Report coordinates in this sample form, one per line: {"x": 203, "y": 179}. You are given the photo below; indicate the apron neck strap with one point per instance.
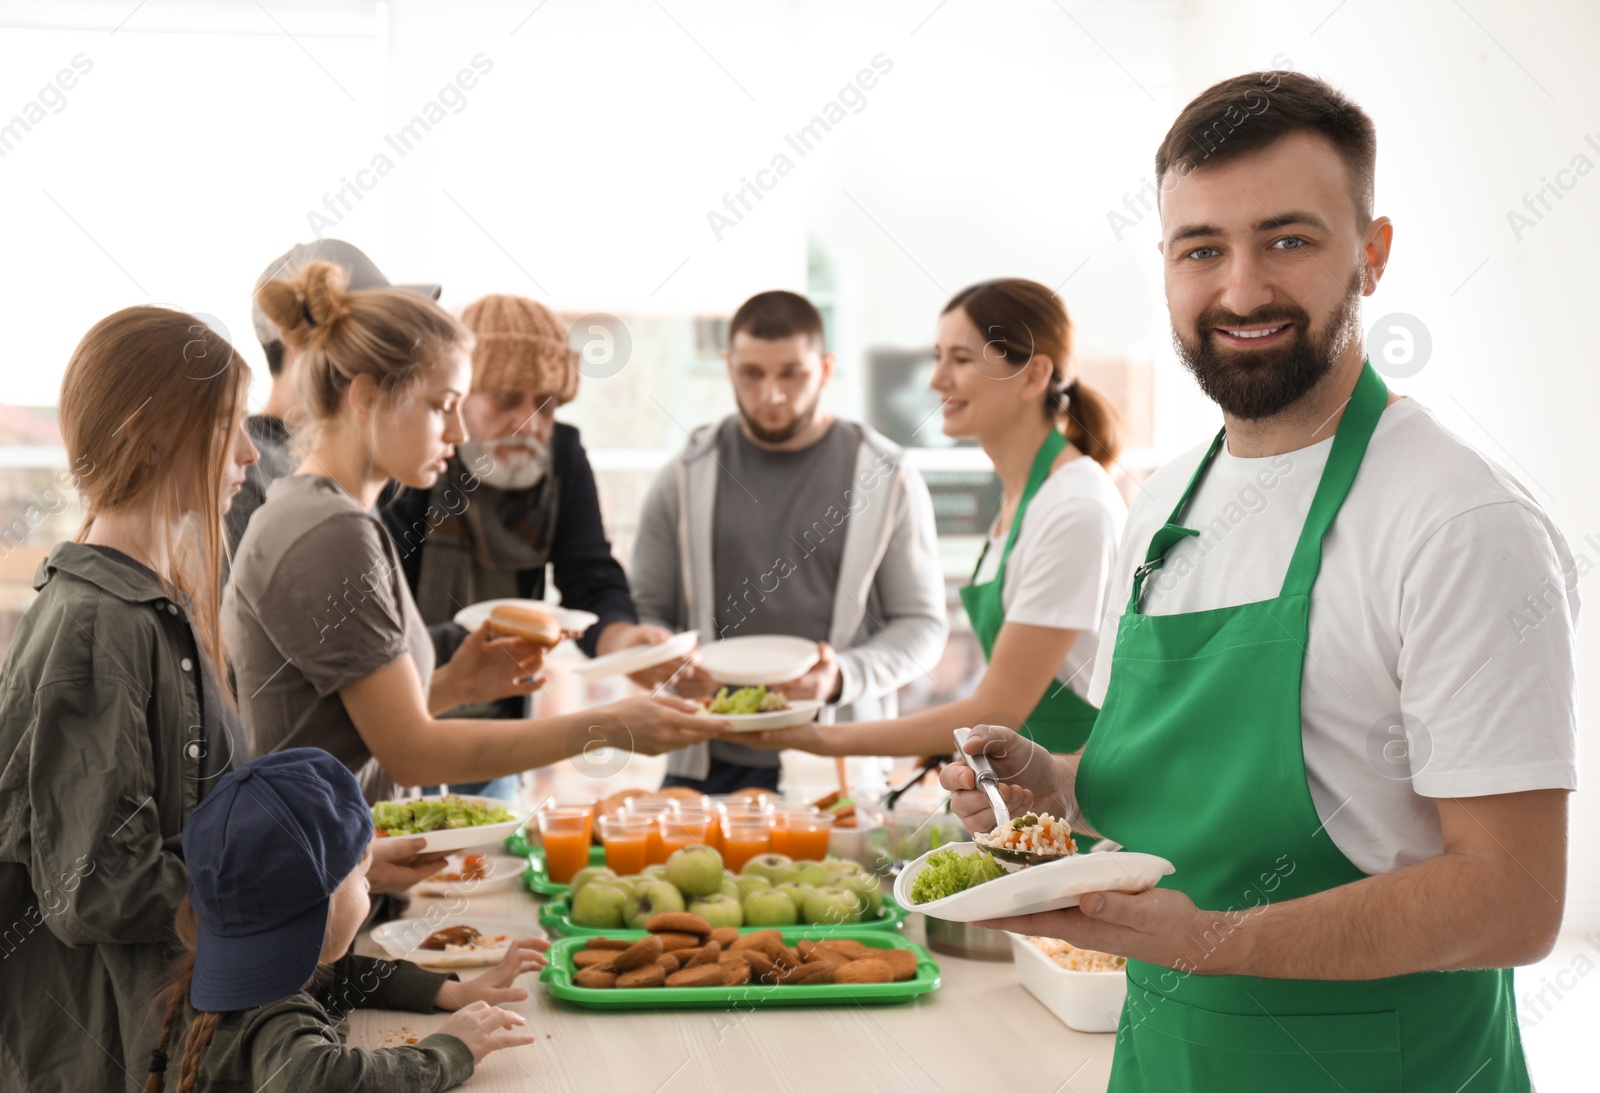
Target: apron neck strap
{"x": 1054, "y": 444}
{"x": 1361, "y": 414}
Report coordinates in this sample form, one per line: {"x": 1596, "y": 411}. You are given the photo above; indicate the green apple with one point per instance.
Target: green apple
{"x": 584, "y": 876}
{"x": 797, "y": 895}
{"x": 696, "y": 870}
{"x": 749, "y": 884}
{"x": 601, "y": 906}
{"x": 838, "y": 868}
{"x": 718, "y": 909}
{"x": 869, "y": 890}
{"x": 772, "y": 907}
{"x": 658, "y": 871}
{"x": 770, "y": 866}
{"x": 809, "y": 873}
{"x": 730, "y": 888}
{"x": 831, "y": 906}
{"x": 655, "y": 898}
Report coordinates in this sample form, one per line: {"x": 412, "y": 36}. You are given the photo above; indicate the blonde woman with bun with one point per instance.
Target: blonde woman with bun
{"x": 330, "y": 650}
{"x": 113, "y": 721}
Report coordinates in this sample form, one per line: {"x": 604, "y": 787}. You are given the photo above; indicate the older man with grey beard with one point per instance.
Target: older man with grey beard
{"x": 518, "y": 495}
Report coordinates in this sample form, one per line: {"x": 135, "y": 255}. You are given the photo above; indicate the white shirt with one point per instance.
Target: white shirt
{"x": 1061, "y": 565}
{"x": 1440, "y": 661}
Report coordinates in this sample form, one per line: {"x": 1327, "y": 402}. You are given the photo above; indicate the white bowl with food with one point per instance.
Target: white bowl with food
{"x": 452, "y": 821}
{"x": 461, "y": 940}
{"x": 754, "y": 709}
{"x": 1084, "y": 989}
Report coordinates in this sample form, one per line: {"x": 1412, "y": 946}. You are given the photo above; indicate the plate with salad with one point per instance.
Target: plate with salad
{"x": 753, "y": 709}
{"x": 451, "y": 822}
{"x": 965, "y": 882}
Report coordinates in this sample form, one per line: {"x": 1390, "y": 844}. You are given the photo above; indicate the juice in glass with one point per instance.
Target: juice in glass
{"x": 783, "y": 820}
{"x": 808, "y": 836}
{"x": 564, "y": 832}
{"x": 650, "y": 808}
{"x": 744, "y": 837}
{"x": 681, "y": 829}
{"x": 627, "y": 842}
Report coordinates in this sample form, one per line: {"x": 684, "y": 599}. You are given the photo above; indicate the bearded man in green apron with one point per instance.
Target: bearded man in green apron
{"x": 1313, "y": 702}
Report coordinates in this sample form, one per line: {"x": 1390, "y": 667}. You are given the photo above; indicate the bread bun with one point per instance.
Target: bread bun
{"x": 515, "y": 621}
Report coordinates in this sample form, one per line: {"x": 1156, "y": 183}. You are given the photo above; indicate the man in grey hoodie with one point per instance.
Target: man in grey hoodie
{"x": 783, "y": 519}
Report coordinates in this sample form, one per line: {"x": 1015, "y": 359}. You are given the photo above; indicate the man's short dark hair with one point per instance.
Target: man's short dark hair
{"x": 274, "y": 352}
{"x": 1249, "y": 112}
{"x": 772, "y": 316}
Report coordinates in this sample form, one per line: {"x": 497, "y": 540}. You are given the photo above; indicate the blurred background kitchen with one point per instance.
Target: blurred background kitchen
{"x": 619, "y": 162}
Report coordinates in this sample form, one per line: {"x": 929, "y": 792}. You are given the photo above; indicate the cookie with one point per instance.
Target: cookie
{"x": 762, "y": 969}
{"x": 707, "y": 955}
{"x": 670, "y": 962}
{"x": 614, "y": 943}
{"x": 735, "y": 969}
{"x": 818, "y": 971}
{"x": 594, "y": 958}
{"x": 706, "y": 975}
{"x": 641, "y": 952}
{"x": 725, "y": 935}
{"x": 595, "y": 978}
{"x": 672, "y": 942}
{"x": 863, "y": 971}
{"x": 678, "y": 922}
{"x": 651, "y": 975}
{"x": 902, "y": 963}
{"x": 758, "y": 940}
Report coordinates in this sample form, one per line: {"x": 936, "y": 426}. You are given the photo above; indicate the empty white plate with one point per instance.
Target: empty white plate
{"x": 473, "y": 616}
{"x": 401, "y": 938}
{"x": 1050, "y": 887}
{"x": 637, "y": 658}
{"x": 758, "y": 660}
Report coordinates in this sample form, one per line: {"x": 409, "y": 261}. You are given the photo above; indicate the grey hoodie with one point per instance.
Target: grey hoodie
{"x": 889, "y": 622}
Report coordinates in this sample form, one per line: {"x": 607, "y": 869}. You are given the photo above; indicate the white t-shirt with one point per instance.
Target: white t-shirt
{"x": 1440, "y": 661}
{"x": 1061, "y": 565}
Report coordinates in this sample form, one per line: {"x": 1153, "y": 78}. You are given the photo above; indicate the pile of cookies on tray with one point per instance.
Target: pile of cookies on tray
{"x": 684, "y": 950}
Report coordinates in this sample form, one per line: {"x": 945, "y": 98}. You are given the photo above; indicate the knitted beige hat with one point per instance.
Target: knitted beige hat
{"x": 520, "y": 347}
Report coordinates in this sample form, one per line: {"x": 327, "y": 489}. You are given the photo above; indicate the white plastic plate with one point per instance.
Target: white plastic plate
{"x": 758, "y": 660}
{"x": 1049, "y": 887}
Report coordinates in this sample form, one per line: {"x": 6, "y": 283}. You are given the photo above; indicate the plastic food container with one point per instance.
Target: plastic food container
{"x": 556, "y": 916}
{"x": 1083, "y": 1001}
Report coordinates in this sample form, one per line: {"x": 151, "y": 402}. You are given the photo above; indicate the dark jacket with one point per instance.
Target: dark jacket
{"x": 588, "y": 576}
{"x": 111, "y": 731}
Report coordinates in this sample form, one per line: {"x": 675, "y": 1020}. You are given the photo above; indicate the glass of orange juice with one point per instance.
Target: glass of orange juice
{"x": 782, "y": 815}
{"x": 744, "y": 835}
{"x": 565, "y": 834}
{"x": 650, "y": 808}
{"x": 808, "y": 836}
{"x": 627, "y": 842}
{"x": 681, "y": 829}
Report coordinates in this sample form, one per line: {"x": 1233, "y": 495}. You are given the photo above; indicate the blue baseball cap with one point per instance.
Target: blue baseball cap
{"x": 265, "y": 850}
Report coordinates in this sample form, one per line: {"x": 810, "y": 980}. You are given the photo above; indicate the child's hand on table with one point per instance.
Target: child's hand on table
{"x": 494, "y": 986}
{"x": 480, "y": 1026}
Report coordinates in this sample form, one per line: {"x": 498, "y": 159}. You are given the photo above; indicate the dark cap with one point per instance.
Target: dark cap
{"x": 265, "y": 850}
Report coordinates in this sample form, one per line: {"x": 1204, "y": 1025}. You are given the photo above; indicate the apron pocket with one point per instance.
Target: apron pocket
{"x": 1201, "y": 1049}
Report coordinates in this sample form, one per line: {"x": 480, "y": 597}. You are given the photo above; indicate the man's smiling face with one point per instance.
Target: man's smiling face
{"x": 1266, "y": 259}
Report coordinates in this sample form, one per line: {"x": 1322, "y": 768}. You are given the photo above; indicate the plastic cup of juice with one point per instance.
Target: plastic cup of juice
{"x": 808, "y": 836}
{"x": 682, "y": 829}
{"x": 782, "y": 817}
{"x": 627, "y": 842}
{"x": 744, "y": 837}
{"x": 650, "y": 808}
{"x": 565, "y": 835}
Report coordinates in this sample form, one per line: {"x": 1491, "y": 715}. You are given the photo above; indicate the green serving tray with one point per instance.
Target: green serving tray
{"x": 538, "y": 881}
{"x": 557, "y": 980}
{"x": 555, "y": 916}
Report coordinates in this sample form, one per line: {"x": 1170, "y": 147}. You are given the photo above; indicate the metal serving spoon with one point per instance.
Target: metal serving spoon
{"x": 990, "y": 784}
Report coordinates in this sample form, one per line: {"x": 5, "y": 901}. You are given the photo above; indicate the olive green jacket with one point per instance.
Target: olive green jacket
{"x": 112, "y": 728}
{"x": 297, "y": 1045}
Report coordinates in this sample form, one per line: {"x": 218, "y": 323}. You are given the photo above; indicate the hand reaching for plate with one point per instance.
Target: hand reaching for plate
{"x": 482, "y": 1028}
{"x": 495, "y": 985}
{"x": 397, "y": 863}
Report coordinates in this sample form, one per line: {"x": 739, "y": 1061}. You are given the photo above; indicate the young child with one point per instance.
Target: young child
{"x": 277, "y": 858}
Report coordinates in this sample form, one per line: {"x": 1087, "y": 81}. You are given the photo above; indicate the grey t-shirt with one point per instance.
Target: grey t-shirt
{"x": 317, "y": 600}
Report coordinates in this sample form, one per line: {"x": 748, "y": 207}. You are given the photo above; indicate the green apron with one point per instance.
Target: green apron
{"x": 1061, "y": 721}
{"x": 1197, "y": 756}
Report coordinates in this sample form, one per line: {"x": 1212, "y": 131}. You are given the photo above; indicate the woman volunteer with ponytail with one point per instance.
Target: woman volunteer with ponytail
{"x": 1037, "y": 595}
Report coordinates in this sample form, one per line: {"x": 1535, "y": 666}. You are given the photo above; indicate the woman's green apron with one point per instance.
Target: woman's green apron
{"x": 1061, "y": 721}
{"x": 1197, "y": 756}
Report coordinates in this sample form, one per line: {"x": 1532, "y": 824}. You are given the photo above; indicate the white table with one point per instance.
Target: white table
{"x": 952, "y": 1039}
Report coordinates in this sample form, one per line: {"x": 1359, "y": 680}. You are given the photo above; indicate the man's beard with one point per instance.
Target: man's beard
{"x": 510, "y": 463}
{"x": 1251, "y": 384}
{"x": 801, "y": 422}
